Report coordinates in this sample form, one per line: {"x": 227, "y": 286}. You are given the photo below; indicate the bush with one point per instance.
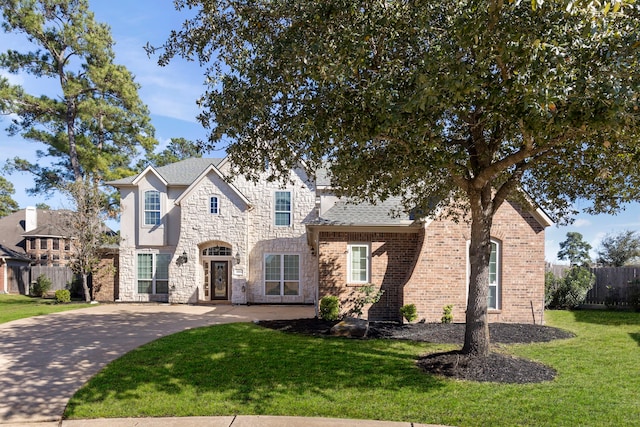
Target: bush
{"x": 551, "y": 285}
{"x": 63, "y": 295}
{"x": 41, "y": 286}
{"x": 447, "y": 314}
{"x": 409, "y": 312}
{"x": 330, "y": 308}
{"x": 571, "y": 290}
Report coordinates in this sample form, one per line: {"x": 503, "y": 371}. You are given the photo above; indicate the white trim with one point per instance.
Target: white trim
{"x": 217, "y": 212}
{"x": 147, "y": 170}
{"x": 350, "y": 247}
{"x": 498, "y": 244}
{"x": 202, "y": 176}
{"x": 144, "y": 205}
{"x": 154, "y": 279}
{"x": 275, "y": 201}
{"x": 281, "y": 279}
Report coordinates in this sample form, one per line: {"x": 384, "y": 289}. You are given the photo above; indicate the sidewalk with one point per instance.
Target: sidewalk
{"x": 230, "y": 421}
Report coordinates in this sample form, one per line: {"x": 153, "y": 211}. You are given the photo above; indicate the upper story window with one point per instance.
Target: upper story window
{"x": 283, "y": 208}
{"x": 358, "y": 263}
{"x": 56, "y": 244}
{"x": 151, "y": 207}
{"x": 32, "y": 243}
{"x": 214, "y": 205}
{"x": 43, "y": 243}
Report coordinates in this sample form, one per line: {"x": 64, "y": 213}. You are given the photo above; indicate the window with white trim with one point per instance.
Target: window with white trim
{"x": 153, "y": 273}
{"x": 282, "y": 209}
{"x": 282, "y": 274}
{"x": 151, "y": 207}
{"x": 358, "y": 263}
{"x": 214, "y": 205}
{"x": 493, "y": 302}
{"x": 494, "y": 296}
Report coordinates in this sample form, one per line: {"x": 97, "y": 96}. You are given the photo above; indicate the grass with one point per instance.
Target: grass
{"x": 245, "y": 369}
{"x": 14, "y": 307}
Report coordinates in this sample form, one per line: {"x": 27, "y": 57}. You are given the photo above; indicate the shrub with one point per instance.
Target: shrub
{"x": 572, "y": 289}
{"x": 41, "y": 286}
{"x": 63, "y": 295}
{"x": 447, "y": 314}
{"x": 368, "y": 295}
{"x": 409, "y": 312}
{"x": 330, "y": 308}
{"x": 551, "y": 285}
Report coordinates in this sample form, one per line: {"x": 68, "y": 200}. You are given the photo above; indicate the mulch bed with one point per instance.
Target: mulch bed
{"x": 497, "y": 367}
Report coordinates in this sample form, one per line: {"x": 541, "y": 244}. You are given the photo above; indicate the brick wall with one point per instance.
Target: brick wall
{"x": 105, "y": 280}
{"x": 393, "y": 256}
{"x": 429, "y": 269}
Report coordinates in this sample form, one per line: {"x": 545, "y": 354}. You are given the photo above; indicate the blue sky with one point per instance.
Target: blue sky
{"x": 171, "y": 92}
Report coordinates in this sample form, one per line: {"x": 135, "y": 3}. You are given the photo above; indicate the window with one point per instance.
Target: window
{"x": 217, "y": 251}
{"x": 56, "y": 244}
{"x": 151, "y": 207}
{"x": 493, "y": 297}
{"x": 493, "y": 302}
{"x": 214, "y": 207}
{"x": 32, "y": 243}
{"x": 358, "y": 263}
{"x": 282, "y": 274}
{"x": 43, "y": 243}
{"x": 153, "y": 273}
{"x": 67, "y": 245}
{"x": 283, "y": 208}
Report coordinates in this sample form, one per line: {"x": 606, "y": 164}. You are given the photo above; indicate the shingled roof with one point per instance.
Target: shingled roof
{"x": 347, "y": 212}
{"x": 183, "y": 172}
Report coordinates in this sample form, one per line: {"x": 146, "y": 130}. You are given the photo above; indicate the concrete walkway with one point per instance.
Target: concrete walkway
{"x": 44, "y": 360}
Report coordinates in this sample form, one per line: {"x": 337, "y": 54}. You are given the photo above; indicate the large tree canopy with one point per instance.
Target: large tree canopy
{"x": 93, "y": 123}
{"x": 465, "y": 101}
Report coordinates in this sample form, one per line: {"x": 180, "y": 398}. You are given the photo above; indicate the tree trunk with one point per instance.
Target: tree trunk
{"x": 85, "y": 287}
{"x": 476, "y": 339}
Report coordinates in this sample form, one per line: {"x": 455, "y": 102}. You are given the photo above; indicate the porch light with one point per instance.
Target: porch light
{"x": 184, "y": 257}
{"x": 237, "y": 258}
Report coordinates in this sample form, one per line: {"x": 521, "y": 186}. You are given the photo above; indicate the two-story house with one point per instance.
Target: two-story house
{"x": 190, "y": 234}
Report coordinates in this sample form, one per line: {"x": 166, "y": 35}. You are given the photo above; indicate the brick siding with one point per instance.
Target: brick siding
{"x": 429, "y": 269}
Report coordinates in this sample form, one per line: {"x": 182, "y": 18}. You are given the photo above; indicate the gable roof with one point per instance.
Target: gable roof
{"x": 216, "y": 171}
{"x": 184, "y": 172}
{"x": 6, "y": 253}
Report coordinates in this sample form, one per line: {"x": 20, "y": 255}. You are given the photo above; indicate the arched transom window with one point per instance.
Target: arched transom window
{"x": 217, "y": 251}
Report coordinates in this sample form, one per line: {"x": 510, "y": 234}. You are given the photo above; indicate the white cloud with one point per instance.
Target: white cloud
{"x": 581, "y": 222}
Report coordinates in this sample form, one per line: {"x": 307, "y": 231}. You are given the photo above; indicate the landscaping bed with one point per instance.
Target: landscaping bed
{"x": 498, "y": 367}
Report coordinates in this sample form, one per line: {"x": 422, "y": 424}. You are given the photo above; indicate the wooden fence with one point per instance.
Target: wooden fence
{"x": 612, "y": 285}
{"x": 61, "y": 277}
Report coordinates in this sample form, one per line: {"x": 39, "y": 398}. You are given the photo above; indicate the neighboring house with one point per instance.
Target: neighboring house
{"x": 191, "y": 234}
{"x": 14, "y": 272}
{"x": 40, "y": 237}
{"x": 39, "y": 234}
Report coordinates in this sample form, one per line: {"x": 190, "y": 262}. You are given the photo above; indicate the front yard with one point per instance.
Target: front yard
{"x": 248, "y": 369}
{"x": 14, "y": 307}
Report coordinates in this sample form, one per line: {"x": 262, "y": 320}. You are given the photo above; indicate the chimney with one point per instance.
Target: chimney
{"x": 30, "y": 218}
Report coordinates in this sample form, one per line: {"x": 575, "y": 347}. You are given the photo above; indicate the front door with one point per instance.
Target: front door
{"x": 220, "y": 280}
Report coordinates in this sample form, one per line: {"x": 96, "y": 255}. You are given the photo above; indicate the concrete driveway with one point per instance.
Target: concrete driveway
{"x": 45, "y": 359}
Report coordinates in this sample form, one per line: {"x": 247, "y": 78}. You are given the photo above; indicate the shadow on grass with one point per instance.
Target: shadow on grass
{"x": 635, "y": 336}
{"x": 248, "y": 369}
{"x": 607, "y": 317}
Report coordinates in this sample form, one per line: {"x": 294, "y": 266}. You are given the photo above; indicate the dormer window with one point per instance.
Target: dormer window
{"x": 151, "y": 207}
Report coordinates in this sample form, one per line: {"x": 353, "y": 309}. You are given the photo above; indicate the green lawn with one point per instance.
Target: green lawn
{"x": 13, "y": 307}
{"x": 246, "y": 369}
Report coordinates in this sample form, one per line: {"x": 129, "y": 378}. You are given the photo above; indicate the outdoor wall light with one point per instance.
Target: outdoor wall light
{"x": 237, "y": 258}
{"x": 182, "y": 259}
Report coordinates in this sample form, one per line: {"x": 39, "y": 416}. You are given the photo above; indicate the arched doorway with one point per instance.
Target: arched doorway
{"x": 217, "y": 263}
